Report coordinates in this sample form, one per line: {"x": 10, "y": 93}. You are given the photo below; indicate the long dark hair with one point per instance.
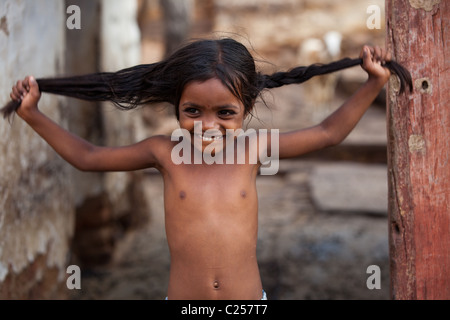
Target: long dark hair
{"x": 225, "y": 59}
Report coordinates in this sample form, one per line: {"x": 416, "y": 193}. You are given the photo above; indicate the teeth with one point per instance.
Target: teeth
{"x": 211, "y": 138}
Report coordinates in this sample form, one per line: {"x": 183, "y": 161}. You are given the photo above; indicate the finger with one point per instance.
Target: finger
{"x": 388, "y": 56}
{"x": 367, "y": 57}
{"x": 26, "y": 83}
{"x": 34, "y": 87}
{"x": 14, "y": 97}
{"x": 369, "y": 51}
{"x": 363, "y": 51}
{"x": 15, "y": 92}
{"x": 385, "y": 54}
{"x": 378, "y": 56}
{"x": 21, "y": 89}
{"x": 19, "y": 86}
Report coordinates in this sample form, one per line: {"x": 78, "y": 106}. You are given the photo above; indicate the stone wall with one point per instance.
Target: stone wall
{"x": 52, "y": 215}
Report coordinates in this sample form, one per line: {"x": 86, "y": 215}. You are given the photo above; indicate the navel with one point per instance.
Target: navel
{"x": 243, "y": 194}
{"x": 216, "y": 284}
{"x": 182, "y": 194}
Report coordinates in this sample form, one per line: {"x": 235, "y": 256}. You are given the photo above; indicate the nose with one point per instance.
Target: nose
{"x": 209, "y": 122}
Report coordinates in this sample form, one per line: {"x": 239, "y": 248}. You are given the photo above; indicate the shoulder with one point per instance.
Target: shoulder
{"x": 158, "y": 143}
{"x": 161, "y": 146}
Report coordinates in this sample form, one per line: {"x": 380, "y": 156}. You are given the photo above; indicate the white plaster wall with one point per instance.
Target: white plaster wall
{"x": 120, "y": 41}
{"x": 120, "y": 48}
{"x": 36, "y": 207}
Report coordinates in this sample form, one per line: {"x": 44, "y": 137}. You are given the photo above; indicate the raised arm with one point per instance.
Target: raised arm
{"x": 335, "y": 128}
{"x": 75, "y": 150}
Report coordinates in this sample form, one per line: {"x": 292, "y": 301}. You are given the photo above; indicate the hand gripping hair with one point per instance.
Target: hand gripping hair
{"x": 225, "y": 59}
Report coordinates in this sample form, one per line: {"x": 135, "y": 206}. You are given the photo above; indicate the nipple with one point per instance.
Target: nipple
{"x": 216, "y": 284}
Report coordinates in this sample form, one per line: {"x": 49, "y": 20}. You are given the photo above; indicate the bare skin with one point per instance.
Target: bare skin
{"x": 211, "y": 211}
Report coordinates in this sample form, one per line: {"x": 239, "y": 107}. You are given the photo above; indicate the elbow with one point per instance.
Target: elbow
{"x": 83, "y": 166}
{"x": 334, "y": 141}
{"x": 330, "y": 137}
{"x": 85, "y": 162}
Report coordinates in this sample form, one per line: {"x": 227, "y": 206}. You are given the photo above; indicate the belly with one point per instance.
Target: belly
{"x": 233, "y": 282}
{"x": 211, "y": 217}
{"x": 213, "y": 251}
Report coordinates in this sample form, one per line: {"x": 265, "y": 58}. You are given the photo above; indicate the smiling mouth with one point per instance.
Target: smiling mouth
{"x": 209, "y": 138}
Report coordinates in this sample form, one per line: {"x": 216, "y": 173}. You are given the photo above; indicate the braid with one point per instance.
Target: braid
{"x": 302, "y": 74}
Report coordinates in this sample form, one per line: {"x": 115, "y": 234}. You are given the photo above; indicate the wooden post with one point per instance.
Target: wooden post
{"x": 418, "y": 35}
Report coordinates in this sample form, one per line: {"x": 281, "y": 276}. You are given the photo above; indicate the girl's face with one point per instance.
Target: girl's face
{"x": 207, "y": 109}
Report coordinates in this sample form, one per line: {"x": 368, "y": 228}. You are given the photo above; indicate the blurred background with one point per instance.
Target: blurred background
{"x": 323, "y": 217}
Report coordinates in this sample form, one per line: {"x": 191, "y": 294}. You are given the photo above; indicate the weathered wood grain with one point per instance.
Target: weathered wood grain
{"x": 418, "y": 35}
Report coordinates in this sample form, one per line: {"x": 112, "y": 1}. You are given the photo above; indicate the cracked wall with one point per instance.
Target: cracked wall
{"x": 52, "y": 215}
{"x": 36, "y": 211}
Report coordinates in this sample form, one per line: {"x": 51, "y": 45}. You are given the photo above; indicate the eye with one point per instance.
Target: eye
{"x": 192, "y": 111}
{"x": 226, "y": 113}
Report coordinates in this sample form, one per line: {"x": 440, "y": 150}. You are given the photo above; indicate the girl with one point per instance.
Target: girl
{"x": 211, "y": 210}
